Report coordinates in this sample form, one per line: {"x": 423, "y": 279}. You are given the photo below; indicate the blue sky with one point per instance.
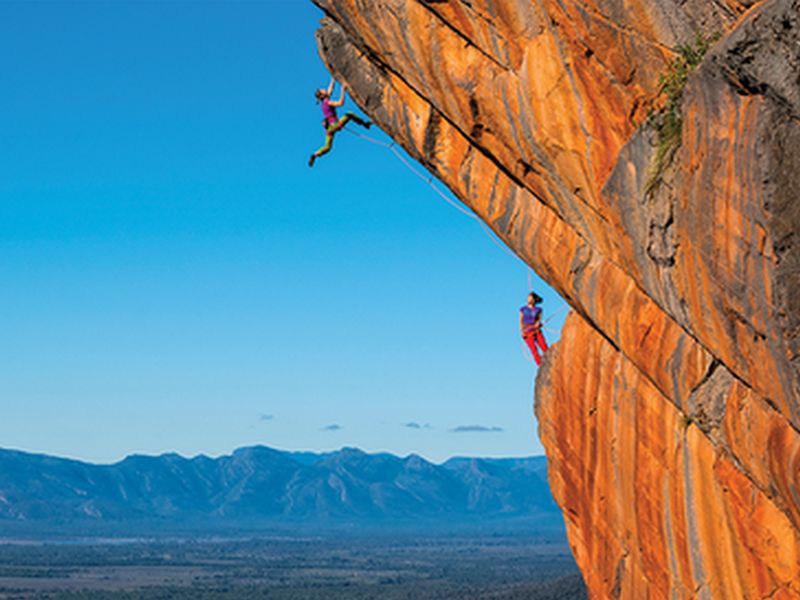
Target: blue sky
{"x": 175, "y": 278}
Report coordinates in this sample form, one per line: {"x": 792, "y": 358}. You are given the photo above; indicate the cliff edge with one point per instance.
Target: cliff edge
{"x": 670, "y": 409}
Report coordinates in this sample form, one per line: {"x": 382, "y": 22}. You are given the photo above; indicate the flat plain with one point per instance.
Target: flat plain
{"x": 406, "y": 567}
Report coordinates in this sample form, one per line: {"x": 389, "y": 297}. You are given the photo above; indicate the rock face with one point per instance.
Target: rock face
{"x": 670, "y": 410}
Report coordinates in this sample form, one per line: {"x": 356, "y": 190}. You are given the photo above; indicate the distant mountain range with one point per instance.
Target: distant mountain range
{"x": 262, "y": 486}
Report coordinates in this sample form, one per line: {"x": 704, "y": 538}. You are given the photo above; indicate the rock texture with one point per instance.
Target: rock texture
{"x": 670, "y": 410}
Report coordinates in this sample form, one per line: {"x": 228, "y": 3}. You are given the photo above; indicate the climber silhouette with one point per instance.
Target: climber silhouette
{"x": 331, "y": 122}
{"x": 530, "y": 323}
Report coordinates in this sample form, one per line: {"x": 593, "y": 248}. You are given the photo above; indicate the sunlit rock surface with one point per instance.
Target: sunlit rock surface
{"x": 670, "y": 411}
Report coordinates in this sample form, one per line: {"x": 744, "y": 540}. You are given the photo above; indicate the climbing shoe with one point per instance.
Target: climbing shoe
{"x": 311, "y": 160}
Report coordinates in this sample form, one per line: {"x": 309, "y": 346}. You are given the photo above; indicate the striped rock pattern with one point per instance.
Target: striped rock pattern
{"x": 670, "y": 410}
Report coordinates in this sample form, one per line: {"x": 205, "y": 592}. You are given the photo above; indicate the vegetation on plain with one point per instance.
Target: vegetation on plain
{"x": 308, "y": 568}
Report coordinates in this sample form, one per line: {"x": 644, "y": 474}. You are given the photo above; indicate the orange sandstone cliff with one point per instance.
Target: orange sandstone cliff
{"x": 670, "y": 409}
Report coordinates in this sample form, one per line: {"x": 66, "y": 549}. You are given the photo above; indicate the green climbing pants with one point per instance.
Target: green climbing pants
{"x": 332, "y": 128}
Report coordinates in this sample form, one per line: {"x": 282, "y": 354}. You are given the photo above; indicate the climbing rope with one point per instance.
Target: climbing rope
{"x": 489, "y": 233}
{"x": 418, "y": 173}
{"x": 429, "y": 180}
{"x": 564, "y": 307}
{"x": 526, "y": 353}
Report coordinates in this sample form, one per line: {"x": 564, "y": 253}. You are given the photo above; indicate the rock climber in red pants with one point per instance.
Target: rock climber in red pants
{"x": 530, "y": 323}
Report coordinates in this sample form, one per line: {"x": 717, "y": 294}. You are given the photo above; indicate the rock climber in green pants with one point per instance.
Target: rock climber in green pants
{"x": 331, "y": 122}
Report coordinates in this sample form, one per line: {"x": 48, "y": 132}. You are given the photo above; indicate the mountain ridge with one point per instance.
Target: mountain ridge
{"x": 265, "y": 485}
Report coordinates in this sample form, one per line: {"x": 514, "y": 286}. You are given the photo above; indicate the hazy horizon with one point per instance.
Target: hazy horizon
{"x": 284, "y": 450}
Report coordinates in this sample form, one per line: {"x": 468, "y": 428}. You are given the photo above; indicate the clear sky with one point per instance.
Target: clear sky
{"x": 175, "y": 277}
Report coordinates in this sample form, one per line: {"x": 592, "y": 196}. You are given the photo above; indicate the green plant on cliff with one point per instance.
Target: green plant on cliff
{"x": 668, "y": 122}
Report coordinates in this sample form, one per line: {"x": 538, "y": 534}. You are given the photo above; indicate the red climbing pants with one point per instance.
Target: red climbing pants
{"x": 532, "y": 338}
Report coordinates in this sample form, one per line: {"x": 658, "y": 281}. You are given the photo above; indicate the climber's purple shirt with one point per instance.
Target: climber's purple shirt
{"x": 529, "y": 315}
{"x": 329, "y": 112}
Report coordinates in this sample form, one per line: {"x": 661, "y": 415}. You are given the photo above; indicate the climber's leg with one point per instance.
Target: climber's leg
{"x": 530, "y": 339}
{"x": 350, "y": 117}
{"x": 329, "y": 133}
{"x": 539, "y": 336}
{"x": 342, "y": 121}
{"x": 328, "y": 142}
{"x": 354, "y": 117}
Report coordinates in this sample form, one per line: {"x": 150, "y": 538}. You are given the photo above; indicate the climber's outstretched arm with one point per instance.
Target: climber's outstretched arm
{"x": 340, "y": 101}
{"x": 330, "y": 87}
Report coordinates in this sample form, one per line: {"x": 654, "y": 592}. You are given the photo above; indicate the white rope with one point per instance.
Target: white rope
{"x": 487, "y": 230}
{"x": 429, "y": 180}
{"x": 555, "y": 314}
{"x": 411, "y": 168}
